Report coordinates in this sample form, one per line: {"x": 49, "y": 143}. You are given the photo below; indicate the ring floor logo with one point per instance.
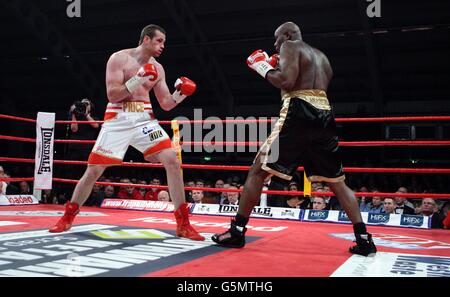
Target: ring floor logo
{"x": 399, "y": 241}
{"x": 395, "y": 265}
{"x": 98, "y": 250}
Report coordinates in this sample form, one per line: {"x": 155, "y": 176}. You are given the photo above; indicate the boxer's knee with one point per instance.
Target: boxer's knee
{"x": 170, "y": 160}
{"x": 93, "y": 173}
{"x": 257, "y": 172}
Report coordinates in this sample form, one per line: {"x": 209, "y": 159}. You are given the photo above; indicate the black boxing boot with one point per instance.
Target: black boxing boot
{"x": 233, "y": 238}
{"x": 364, "y": 245}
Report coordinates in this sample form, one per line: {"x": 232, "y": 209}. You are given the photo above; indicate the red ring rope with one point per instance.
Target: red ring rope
{"x": 342, "y": 120}
{"x": 269, "y": 192}
{"x": 237, "y": 167}
{"x": 257, "y": 143}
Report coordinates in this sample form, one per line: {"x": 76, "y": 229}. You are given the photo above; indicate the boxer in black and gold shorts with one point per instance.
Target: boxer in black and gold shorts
{"x": 305, "y": 132}
{"x": 306, "y": 135}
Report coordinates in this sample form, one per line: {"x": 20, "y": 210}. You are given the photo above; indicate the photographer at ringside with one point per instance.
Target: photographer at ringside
{"x": 80, "y": 111}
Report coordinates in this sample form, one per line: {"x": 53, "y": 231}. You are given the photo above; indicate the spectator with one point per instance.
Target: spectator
{"x": 200, "y": 183}
{"x": 429, "y": 208}
{"x": 24, "y": 188}
{"x": 109, "y": 192}
{"x": 3, "y": 184}
{"x": 446, "y": 221}
{"x": 374, "y": 205}
{"x": 292, "y": 202}
{"x": 296, "y": 201}
{"x": 96, "y": 197}
{"x": 224, "y": 196}
{"x": 82, "y": 111}
{"x": 219, "y": 183}
{"x": 417, "y": 207}
{"x": 210, "y": 197}
{"x": 129, "y": 192}
{"x": 276, "y": 183}
{"x": 190, "y": 183}
{"x": 445, "y": 215}
{"x": 152, "y": 194}
{"x": 403, "y": 205}
{"x": 389, "y": 205}
{"x": 163, "y": 196}
{"x": 232, "y": 197}
{"x": 79, "y": 111}
{"x": 319, "y": 203}
{"x": 48, "y": 197}
{"x": 316, "y": 186}
{"x": 61, "y": 198}
{"x": 362, "y": 199}
{"x": 142, "y": 191}
{"x": 6, "y": 188}
{"x": 197, "y": 196}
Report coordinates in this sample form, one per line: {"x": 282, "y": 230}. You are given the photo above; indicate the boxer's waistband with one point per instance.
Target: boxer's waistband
{"x": 129, "y": 107}
{"x": 317, "y": 98}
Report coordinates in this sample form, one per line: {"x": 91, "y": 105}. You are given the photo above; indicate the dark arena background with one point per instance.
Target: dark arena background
{"x": 389, "y": 94}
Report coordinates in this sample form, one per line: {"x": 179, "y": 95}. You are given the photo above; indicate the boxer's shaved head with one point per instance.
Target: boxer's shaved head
{"x": 150, "y": 31}
{"x": 286, "y": 31}
{"x": 289, "y": 28}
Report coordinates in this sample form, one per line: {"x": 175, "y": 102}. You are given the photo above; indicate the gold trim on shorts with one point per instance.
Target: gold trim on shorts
{"x": 133, "y": 106}
{"x": 265, "y": 148}
{"x": 274, "y": 172}
{"x": 318, "y": 178}
{"x": 317, "y": 98}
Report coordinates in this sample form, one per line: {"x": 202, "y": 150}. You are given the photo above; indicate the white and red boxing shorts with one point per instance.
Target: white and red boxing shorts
{"x": 128, "y": 123}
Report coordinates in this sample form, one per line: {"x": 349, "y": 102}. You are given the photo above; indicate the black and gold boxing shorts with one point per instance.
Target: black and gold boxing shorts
{"x": 304, "y": 135}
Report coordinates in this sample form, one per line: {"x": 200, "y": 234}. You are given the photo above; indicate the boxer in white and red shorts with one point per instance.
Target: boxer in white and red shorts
{"x": 128, "y": 123}
{"x": 129, "y": 120}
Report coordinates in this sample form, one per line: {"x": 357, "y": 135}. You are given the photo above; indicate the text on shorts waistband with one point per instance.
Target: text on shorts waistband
{"x": 129, "y": 107}
{"x": 317, "y": 98}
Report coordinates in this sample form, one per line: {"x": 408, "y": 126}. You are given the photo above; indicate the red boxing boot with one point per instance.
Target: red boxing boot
{"x": 184, "y": 228}
{"x": 65, "y": 223}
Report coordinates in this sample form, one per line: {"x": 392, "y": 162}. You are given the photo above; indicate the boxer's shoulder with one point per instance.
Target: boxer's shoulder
{"x": 293, "y": 46}
{"x": 158, "y": 66}
{"x": 155, "y": 62}
{"x": 121, "y": 56}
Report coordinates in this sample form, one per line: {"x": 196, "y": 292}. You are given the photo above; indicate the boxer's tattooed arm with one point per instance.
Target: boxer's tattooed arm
{"x": 286, "y": 75}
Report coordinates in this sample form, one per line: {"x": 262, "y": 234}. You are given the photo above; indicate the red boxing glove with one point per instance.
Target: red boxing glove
{"x": 145, "y": 73}
{"x": 273, "y": 60}
{"x": 258, "y": 62}
{"x": 149, "y": 71}
{"x": 183, "y": 87}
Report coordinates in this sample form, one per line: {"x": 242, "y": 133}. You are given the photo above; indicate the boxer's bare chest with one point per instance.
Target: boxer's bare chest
{"x": 131, "y": 68}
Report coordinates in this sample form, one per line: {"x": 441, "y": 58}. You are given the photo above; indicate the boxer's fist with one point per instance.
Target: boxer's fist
{"x": 258, "y": 62}
{"x": 149, "y": 71}
{"x": 145, "y": 73}
{"x": 256, "y": 57}
{"x": 183, "y": 87}
{"x": 273, "y": 60}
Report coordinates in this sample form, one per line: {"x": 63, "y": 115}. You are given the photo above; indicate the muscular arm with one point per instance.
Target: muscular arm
{"x": 115, "y": 85}
{"x": 90, "y": 118}
{"x": 162, "y": 92}
{"x": 74, "y": 126}
{"x": 286, "y": 75}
